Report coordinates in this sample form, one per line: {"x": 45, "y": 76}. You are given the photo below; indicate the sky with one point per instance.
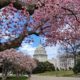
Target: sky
{"x": 29, "y": 48}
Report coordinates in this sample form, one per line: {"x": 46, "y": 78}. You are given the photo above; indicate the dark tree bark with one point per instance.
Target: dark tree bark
{"x": 12, "y": 44}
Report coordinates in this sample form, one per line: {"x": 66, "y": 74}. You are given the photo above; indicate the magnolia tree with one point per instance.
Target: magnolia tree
{"x": 57, "y": 20}
{"x": 72, "y": 48}
{"x": 11, "y": 60}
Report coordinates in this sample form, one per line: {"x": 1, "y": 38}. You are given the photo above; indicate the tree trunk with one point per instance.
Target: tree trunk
{"x": 74, "y": 60}
{"x": 4, "y": 71}
{"x": 17, "y": 75}
{"x": 12, "y": 44}
{"x": 4, "y": 74}
{"x": 29, "y": 74}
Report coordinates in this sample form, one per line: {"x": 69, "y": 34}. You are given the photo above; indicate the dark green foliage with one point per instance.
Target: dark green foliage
{"x": 7, "y": 2}
{"x": 57, "y": 69}
{"x": 76, "y": 68}
{"x": 49, "y": 66}
{"x": 4, "y": 3}
{"x": 70, "y": 68}
{"x": 31, "y": 8}
{"x": 17, "y": 5}
{"x": 14, "y": 78}
{"x": 44, "y": 66}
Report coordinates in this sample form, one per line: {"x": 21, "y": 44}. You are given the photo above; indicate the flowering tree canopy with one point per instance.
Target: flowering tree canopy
{"x": 57, "y": 20}
{"x": 11, "y": 60}
{"x": 12, "y": 24}
{"x": 17, "y": 58}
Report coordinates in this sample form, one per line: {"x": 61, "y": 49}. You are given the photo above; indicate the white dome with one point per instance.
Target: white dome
{"x": 40, "y": 50}
{"x": 40, "y": 54}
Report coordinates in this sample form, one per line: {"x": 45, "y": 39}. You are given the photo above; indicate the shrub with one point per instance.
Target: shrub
{"x": 76, "y": 68}
{"x": 44, "y": 66}
{"x": 70, "y": 68}
{"x": 57, "y": 69}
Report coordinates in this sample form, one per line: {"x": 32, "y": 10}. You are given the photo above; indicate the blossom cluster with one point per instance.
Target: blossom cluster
{"x": 17, "y": 60}
{"x": 12, "y": 22}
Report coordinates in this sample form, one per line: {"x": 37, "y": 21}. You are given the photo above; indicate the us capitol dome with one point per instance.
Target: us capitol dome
{"x": 40, "y": 54}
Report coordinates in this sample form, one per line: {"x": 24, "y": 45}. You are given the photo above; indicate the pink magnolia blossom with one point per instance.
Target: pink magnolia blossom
{"x": 11, "y": 59}
{"x": 54, "y": 19}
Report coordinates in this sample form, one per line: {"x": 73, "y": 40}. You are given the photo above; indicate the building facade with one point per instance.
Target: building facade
{"x": 40, "y": 54}
{"x": 65, "y": 61}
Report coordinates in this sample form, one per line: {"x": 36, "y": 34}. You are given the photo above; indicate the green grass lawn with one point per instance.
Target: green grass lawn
{"x": 59, "y": 73}
{"x": 14, "y": 78}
